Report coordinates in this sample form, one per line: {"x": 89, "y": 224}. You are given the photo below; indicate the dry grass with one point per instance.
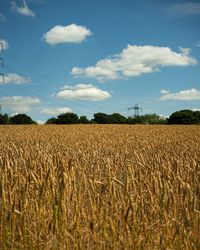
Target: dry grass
{"x": 99, "y": 187}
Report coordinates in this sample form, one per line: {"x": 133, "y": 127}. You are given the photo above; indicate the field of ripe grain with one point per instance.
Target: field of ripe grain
{"x": 99, "y": 187}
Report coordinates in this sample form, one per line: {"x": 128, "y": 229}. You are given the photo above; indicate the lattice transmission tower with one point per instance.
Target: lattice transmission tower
{"x": 136, "y": 109}
{"x": 1, "y": 74}
{"x": 2, "y": 64}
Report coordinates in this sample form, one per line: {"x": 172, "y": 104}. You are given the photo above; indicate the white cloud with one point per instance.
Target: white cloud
{"x": 195, "y": 109}
{"x": 184, "y": 9}
{"x": 2, "y": 17}
{"x": 164, "y": 91}
{"x": 183, "y": 95}
{"x": 163, "y": 116}
{"x": 24, "y": 9}
{"x": 56, "y": 111}
{"x": 86, "y": 92}
{"x": 15, "y": 79}
{"x": 40, "y": 122}
{"x": 5, "y": 44}
{"x": 135, "y": 61}
{"x": 19, "y": 103}
{"x": 67, "y": 34}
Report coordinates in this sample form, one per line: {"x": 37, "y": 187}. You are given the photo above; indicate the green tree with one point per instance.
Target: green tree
{"x": 147, "y": 119}
{"x": 4, "y": 119}
{"x": 182, "y": 117}
{"x": 83, "y": 119}
{"x": 197, "y": 116}
{"x": 134, "y": 120}
{"x": 52, "y": 120}
{"x": 21, "y": 119}
{"x": 67, "y": 118}
{"x": 152, "y": 119}
{"x": 117, "y": 118}
{"x": 101, "y": 118}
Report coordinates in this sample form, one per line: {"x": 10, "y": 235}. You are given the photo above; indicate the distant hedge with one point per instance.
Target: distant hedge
{"x": 178, "y": 117}
{"x": 102, "y": 118}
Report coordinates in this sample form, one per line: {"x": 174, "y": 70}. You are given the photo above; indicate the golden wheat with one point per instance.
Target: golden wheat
{"x": 99, "y": 187}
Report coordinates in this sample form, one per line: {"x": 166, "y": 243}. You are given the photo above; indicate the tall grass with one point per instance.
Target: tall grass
{"x": 99, "y": 187}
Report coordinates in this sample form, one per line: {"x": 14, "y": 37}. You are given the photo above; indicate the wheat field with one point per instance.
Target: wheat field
{"x": 99, "y": 187}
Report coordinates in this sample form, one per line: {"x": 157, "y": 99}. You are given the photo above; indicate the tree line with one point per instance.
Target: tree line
{"x": 178, "y": 117}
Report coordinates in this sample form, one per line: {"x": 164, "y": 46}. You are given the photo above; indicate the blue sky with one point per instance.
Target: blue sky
{"x": 99, "y": 56}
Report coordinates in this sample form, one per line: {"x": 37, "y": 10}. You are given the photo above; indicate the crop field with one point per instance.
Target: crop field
{"x": 99, "y": 187}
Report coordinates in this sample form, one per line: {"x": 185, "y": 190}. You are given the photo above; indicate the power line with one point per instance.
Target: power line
{"x": 1, "y": 44}
{"x": 44, "y": 76}
{"x": 29, "y": 93}
{"x": 31, "y": 68}
{"x": 80, "y": 106}
{"x": 1, "y": 59}
{"x": 35, "y": 93}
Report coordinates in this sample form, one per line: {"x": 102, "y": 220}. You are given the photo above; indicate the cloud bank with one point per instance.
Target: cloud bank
{"x": 19, "y": 103}
{"x": 135, "y": 61}
{"x": 56, "y": 111}
{"x": 13, "y": 78}
{"x": 184, "y": 9}
{"x": 183, "y": 95}
{"x": 195, "y": 109}
{"x": 86, "y": 92}
{"x": 164, "y": 91}
{"x": 66, "y": 34}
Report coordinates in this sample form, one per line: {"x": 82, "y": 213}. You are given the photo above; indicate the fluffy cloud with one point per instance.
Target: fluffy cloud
{"x": 15, "y": 79}
{"x": 56, "y": 111}
{"x": 19, "y": 103}
{"x": 164, "y": 91}
{"x": 184, "y": 9}
{"x": 2, "y": 17}
{"x": 183, "y": 95}
{"x": 66, "y": 34}
{"x": 24, "y": 9}
{"x": 5, "y": 43}
{"x": 134, "y": 61}
{"x": 86, "y": 92}
{"x": 195, "y": 109}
